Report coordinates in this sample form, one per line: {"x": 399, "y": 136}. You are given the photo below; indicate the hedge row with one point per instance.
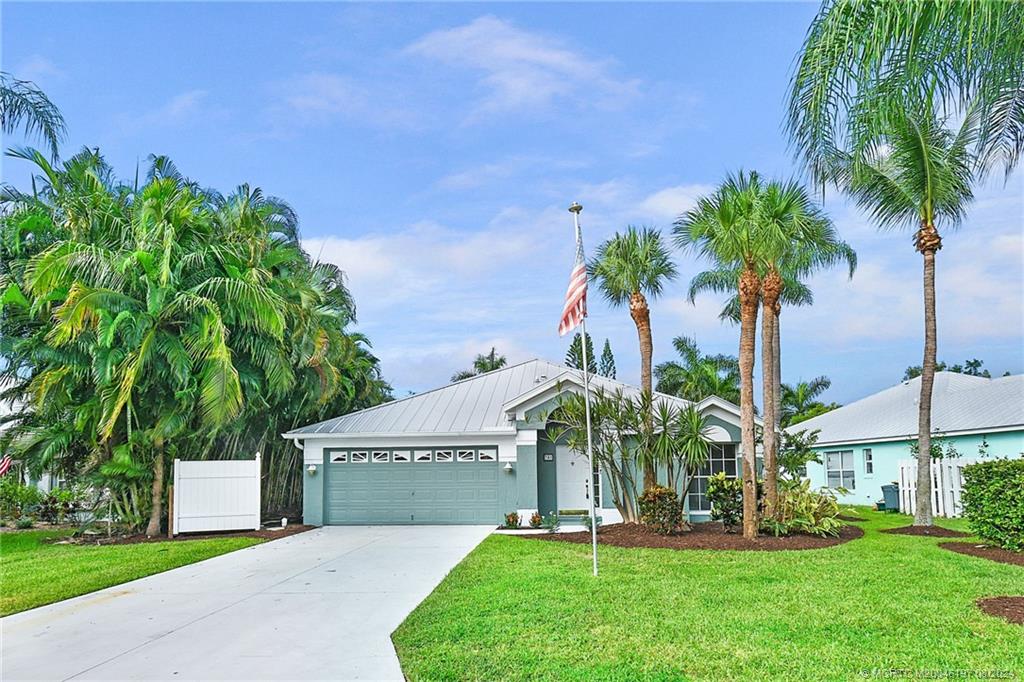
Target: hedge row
{"x": 993, "y": 499}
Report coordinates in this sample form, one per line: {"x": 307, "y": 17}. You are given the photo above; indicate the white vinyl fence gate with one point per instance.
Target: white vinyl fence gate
{"x": 947, "y": 483}
{"x": 216, "y": 495}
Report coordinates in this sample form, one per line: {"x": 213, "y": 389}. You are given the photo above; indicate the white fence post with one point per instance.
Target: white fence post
{"x": 213, "y": 495}
{"x": 947, "y": 485}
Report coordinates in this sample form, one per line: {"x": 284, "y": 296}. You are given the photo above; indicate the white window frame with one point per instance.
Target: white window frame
{"x": 401, "y": 456}
{"x": 422, "y": 456}
{"x": 488, "y": 455}
{"x": 338, "y": 456}
{"x": 465, "y": 456}
{"x": 444, "y": 456}
{"x": 844, "y": 472}
{"x": 869, "y": 461}
{"x": 380, "y": 456}
{"x": 359, "y": 456}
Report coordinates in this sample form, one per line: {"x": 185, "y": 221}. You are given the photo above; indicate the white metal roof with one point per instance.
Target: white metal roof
{"x": 960, "y": 402}
{"x": 473, "y": 405}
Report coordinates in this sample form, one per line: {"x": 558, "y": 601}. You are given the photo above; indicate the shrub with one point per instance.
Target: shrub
{"x": 802, "y": 510}
{"x": 550, "y": 522}
{"x": 587, "y": 522}
{"x": 535, "y": 520}
{"x": 17, "y": 498}
{"x": 726, "y": 497}
{"x": 993, "y": 499}
{"x": 512, "y": 520}
{"x": 24, "y": 523}
{"x": 661, "y": 509}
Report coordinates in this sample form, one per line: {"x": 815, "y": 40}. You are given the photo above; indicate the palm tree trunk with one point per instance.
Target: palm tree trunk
{"x": 928, "y": 242}
{"x": 777, "y": 385}
{"x": 641, "y": 314}
{"x": 749, "y": 290}
{"x": 157, "y": 494}
{"x": 771, "y": 482}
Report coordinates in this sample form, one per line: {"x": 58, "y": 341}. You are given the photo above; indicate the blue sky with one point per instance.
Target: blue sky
{"x": 432, "y": 150}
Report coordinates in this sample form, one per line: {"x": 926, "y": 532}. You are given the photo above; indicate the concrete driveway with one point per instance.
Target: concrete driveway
{"x": 315, "y": 606}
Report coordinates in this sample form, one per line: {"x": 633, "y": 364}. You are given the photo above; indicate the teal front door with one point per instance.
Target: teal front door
{"x": 426, "y": 492}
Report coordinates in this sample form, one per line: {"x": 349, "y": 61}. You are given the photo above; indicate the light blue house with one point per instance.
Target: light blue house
{"x": 470, "y": 452}
{"x": 860, "y": 444}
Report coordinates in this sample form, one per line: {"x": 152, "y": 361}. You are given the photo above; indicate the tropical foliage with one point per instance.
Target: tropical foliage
{"x": 24, "y": 106}
{"x": 696, "y": 376}
{"x": 796, "y": 452}
{"x": 483, "y": 363}
{"x": 151, "y": 320}
{"x": 973, "y": 367}
{"x": 800, "y": 401}
{"x": 630, "y": 268}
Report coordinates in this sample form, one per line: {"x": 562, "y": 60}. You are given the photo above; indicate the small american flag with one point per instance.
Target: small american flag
{"x": 575, "y": 308}
{"x": 5, "y": 464}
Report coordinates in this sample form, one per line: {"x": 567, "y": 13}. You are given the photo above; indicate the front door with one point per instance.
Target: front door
{"x": 572, "y": 479}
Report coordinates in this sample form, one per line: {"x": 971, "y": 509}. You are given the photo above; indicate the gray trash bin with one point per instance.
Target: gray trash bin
{"x": 891, "y": 495}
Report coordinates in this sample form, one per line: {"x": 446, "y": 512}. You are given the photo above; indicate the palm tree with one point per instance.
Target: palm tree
{"x": 629, "y": 268}
{"x": 862, "y": 58}
{"x": 483, "y": 363}
{"x": 23, "y": 105}
{"x": 697, "y": 376}
{"x": 919, "y": 173}
{"x": 724, "y": 228}
{"x": 801, "y": 397}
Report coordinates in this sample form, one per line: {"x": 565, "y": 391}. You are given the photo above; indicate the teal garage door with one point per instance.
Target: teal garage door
{"x": 411, "y": 487}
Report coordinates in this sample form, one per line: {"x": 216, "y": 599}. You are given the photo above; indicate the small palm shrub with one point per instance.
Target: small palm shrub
{"x": 726, "y": 497}
{"x": 661, "y": 510}
{"x": 512, "y": 520}
{"x": 802, "y": 510}
{"x": 536, "y": 519}
{"x": 993, "y": 499}
{"x": 551, "y": 522}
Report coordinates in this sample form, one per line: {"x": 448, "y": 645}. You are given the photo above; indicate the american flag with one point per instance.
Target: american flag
{"x": 5, "y": 464}
{"x": 575, "y": 308}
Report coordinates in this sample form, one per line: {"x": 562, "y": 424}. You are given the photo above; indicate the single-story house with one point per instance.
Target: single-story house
{"x": 860, "y": 444}
{"x": 471, "y": 452}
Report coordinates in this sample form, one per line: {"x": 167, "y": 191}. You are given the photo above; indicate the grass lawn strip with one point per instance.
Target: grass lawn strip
{"x": 519, "y": 610}
{"x": 35, "y": 573}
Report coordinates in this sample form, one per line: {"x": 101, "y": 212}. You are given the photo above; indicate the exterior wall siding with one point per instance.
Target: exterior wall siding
{"x": 886, "y": 456}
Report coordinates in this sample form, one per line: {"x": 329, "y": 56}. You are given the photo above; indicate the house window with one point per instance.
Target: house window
{"x": 422, "y": 456}
{"x": 721, "y": 459}
{"x": 597, "y": 487}
{"x": 360, "y": 457}
{"x": 400, "y": 456}
{"x": 869, "y": 463}
{"x": 442, "y": 455}
{"x": 338, "y": 456}
{"x": 380, "y": 455}
{"x": 839, "y": 469}
{"x": 465, "y": 455}
{"x": 488, "y": 456}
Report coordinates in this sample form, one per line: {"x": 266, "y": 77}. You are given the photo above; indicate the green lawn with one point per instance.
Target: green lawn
{"x": 518, "y": 609}
{"x": 34, "y": 573}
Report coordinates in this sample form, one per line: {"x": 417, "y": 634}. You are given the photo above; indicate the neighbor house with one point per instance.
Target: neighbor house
{"x": 860, "y": 444}
{"x": 472, "y": 451}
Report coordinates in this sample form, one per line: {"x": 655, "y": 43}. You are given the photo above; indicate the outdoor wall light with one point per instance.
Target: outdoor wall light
{"x": 508, "y": 467}
{"x": 311, "y": 470}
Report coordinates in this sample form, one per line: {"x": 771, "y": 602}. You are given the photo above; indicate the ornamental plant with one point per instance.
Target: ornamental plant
{"x": 535, "y": 520}
{"x": 993, "y": 499}
{"x": 661, "y": 510}
{"x": 726, "y": 497}
{"x": 512, "y": 520}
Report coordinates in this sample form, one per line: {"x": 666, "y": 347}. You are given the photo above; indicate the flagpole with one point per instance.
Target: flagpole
{"x": 575, "y": 210}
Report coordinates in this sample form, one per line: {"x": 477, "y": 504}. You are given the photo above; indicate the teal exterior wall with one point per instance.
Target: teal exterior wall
{"x": 313, "y": 496}
{"x": 525, "y": 478}
{"x": 547, "y": 501}
{"x": 732, "y": 429}
{"x": 886, "y": 457}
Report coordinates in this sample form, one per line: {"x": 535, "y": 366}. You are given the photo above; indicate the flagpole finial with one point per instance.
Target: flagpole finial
{"x": 576, "y": 207}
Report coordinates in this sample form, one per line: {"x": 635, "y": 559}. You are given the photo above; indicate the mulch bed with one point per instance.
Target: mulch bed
{"x": 927, "y": 531}
{"x": 1007, "y": 608}
{"x": 710, "y": 535}
{"x": 1003, "y": 556}
{"x": 265, "y": 534}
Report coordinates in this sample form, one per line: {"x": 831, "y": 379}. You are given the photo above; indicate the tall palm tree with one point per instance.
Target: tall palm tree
{"x": 801, "y": 396}
{"x": 863, "y": 57}
{"x": 724, "y": 228}
{"x": 23, "y": 105}
{"x": 919, "y": 173}
{"x": 696, "y": 376}
{"x": 483, "y": 363}
{"x": 629, "y": 268}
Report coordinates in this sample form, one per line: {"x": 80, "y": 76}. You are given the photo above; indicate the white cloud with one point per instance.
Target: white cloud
{"x": 322, "y": 96}
{"x": 37, "y": 68}
{"x": 522, "y": 71}
{"x": 180, "y": 109}
{"x": 668, "y": 204}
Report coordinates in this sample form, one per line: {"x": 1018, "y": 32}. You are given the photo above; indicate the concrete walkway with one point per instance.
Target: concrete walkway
{"x": 315, "y": 606}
